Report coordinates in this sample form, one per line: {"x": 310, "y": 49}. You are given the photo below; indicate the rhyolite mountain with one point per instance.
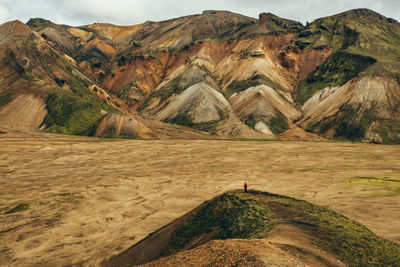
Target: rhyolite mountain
{"x": 217, "y": 72}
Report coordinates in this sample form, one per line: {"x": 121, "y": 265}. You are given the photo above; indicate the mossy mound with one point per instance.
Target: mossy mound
{"x": 348, "y": 240}
{"x": 254, "y": 215}
{"x": 76, "y": 113}
{"x": 5, "y": 98}
{"x": 227, "y": 216}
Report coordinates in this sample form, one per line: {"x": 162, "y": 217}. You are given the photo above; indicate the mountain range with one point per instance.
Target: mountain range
{"x": 213, "y": 74}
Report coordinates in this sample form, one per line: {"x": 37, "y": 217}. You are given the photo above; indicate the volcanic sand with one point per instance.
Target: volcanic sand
{"x": 91, "y": 198}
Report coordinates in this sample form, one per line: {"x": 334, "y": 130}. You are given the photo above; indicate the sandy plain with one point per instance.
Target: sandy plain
{"x": 87, "y": 199}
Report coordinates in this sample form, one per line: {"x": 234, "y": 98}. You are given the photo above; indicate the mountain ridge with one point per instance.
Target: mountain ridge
{"x": 146, "y": 66}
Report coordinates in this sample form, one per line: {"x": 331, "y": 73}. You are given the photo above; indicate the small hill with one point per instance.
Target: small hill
{"x": 260, "y": 229}
{"x": 204, "y": 108}
{"x": 199, "y": 103}
{"x": 265, "y": 109}
{"x": 116, "y": 125}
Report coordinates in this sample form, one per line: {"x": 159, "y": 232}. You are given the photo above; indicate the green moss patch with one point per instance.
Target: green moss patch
{"x": 230, "y": 215}
{"x": 20, "y": 207}
{"x": 186, "y": 120}
{"x": 358, "y": 31}
{"x": 172, "y": 88}
{"x": 393, "y": 72}
{"x": 38, "y": 23}
{"x": 181, "y": 119}
{"x": 389, "y": 131}
{"x": 351, "y": 123}
{"x": 5, "y": 98}
{"x": 313, "y": 127}
{"x": 337, "y": 69}
{"x": 349, "y": 240}
{"x": 129, "y": 93}
{"x": 238, "y": 86}
{"x": 386, "y": 185}
{"x": 278, "y": 124}
{"x": 39, "y": 57}
{"x": 76, "y": 113}
{"x": 125, "y": 89}
{"x": 355, "y": 122}
{"x": 31, "y": 76}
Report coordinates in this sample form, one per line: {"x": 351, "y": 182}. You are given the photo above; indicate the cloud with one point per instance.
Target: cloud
{"x": 4, "y": 14}
{"x": 128, "y": 12}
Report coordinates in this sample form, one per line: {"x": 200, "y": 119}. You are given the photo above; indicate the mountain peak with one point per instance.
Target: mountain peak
{"x": 369, "y": 13}
{"x": 361, "y": 13}
{"x": 266, "y": 16}
{"x": 364, "y": 12}
{"x": 273, "y": 22}
{"x": 38, "y": 23}
{"x": 15, "y": 24}
{"x": 13, "y": 28}
{"x": 215, "y": 12}
{"x": 224, "y": 14}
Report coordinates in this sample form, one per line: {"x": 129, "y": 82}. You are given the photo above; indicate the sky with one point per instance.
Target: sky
{"x": 130, "y": 12}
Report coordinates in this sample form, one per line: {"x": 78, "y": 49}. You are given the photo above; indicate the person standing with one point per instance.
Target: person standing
{"x": 245, "y": 187}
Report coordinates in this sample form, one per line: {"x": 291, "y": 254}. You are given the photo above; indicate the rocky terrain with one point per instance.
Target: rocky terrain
{"x": 218, "y": 72}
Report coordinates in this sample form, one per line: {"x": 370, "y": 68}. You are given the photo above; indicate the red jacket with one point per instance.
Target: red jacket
{"x": 245, "y": 184}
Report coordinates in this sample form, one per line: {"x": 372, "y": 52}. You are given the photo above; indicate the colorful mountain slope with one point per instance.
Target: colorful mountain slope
{"x": 42, "y": 88}
{"x": 275, "y": 74}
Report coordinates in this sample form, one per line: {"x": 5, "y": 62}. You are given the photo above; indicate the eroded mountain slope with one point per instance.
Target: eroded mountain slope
{"x": 364, "y": 108}
{"x": 354, "y": 93}
{"x": 42, "y": 88}
{"x": 274, "y": 74}
{"x": 156, "y": 61}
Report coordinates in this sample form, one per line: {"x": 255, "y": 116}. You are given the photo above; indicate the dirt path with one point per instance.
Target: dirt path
{"x": 91, "y": 198}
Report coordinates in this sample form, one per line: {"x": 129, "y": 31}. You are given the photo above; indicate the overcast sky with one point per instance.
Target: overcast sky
{"x": 129, "y": 12}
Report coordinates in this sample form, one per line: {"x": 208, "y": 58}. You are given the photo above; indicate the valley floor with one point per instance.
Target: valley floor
{"x": 67, "y": 199}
